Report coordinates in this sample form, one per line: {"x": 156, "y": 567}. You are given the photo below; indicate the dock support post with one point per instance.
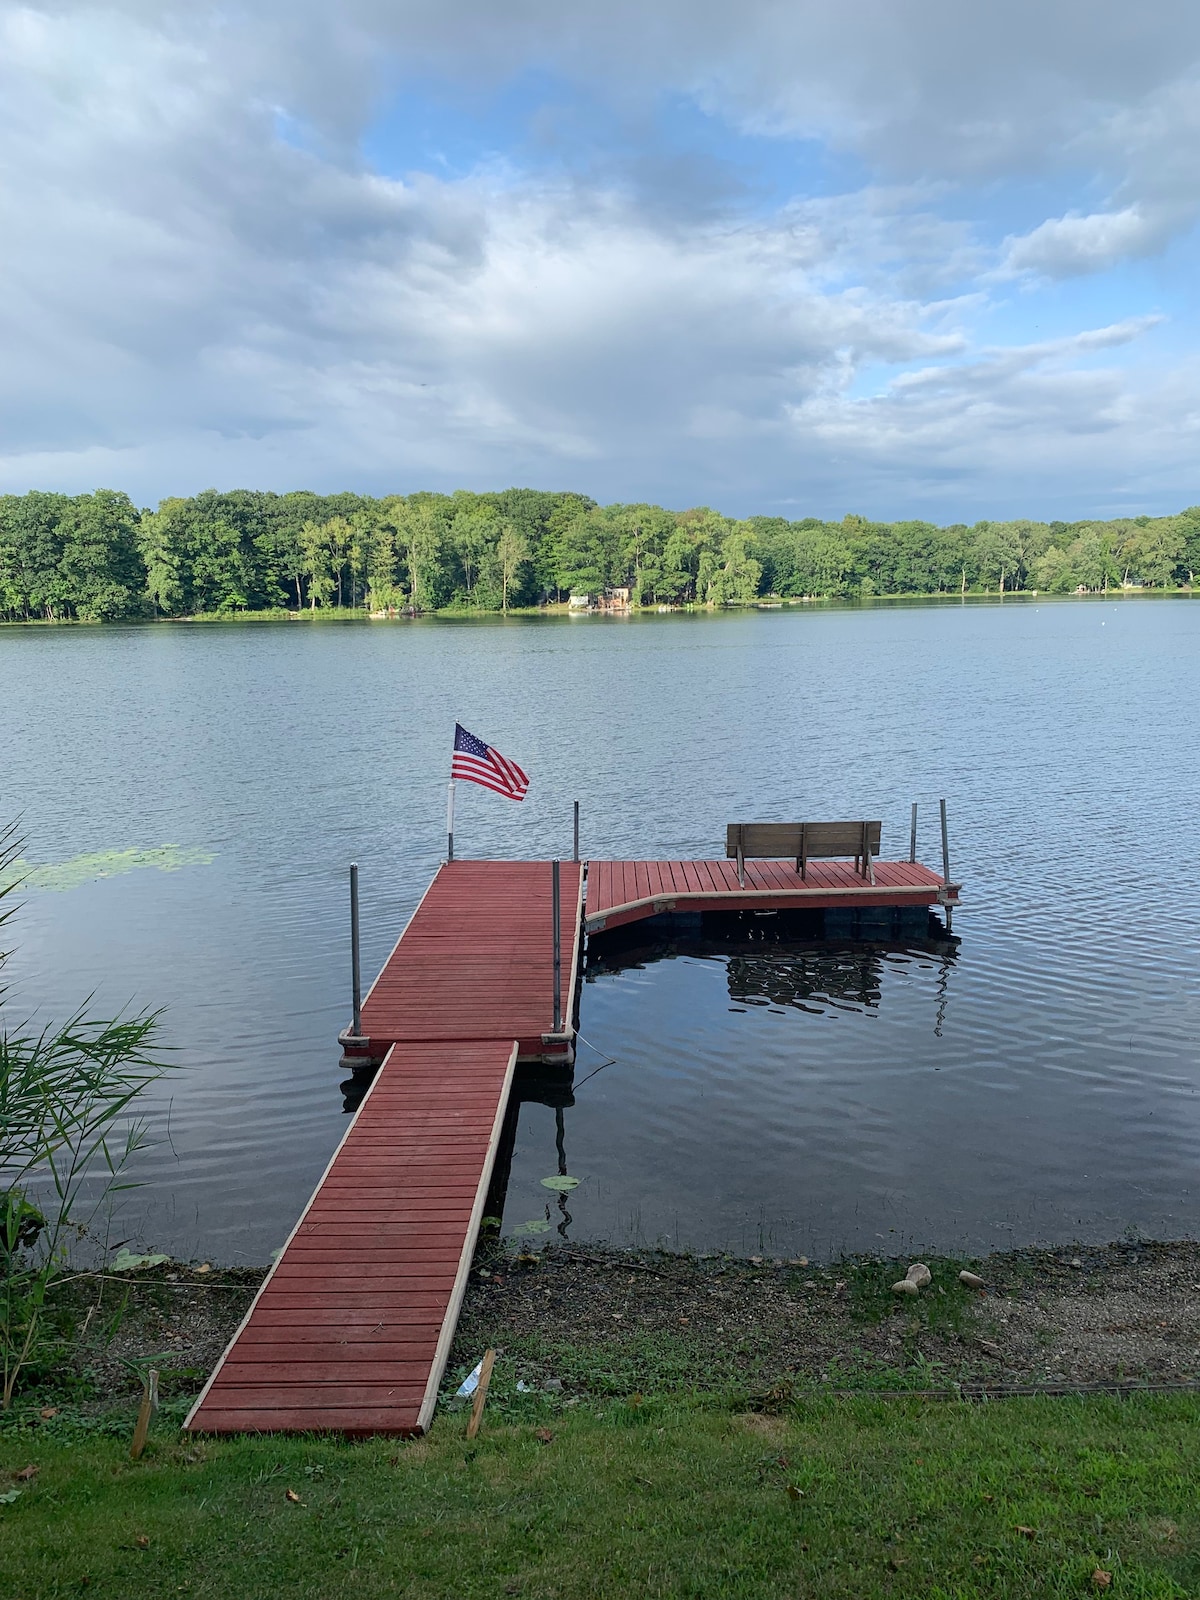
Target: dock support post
{"x": 946, "y": 865}
{"x": 355, "y": 964}
{"x": 450, "y": 823}
{"x": 556, "y": 913}
{"x": 575, "y": 855}
{"x": 912, "y": 839}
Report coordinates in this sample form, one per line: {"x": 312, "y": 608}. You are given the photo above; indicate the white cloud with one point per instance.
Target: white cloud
{"x": 1062, "y": 247}
{"x": 189, "y": 298}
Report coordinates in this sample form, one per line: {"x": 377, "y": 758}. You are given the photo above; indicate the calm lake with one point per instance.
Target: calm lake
{"x": 1041, "y": 1084}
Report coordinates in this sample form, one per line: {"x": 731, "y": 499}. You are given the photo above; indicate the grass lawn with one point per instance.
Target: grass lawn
{"x": 666, "y": 1497}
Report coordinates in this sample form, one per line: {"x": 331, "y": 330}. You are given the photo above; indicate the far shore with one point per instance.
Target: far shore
{"x": 859, "y": 602}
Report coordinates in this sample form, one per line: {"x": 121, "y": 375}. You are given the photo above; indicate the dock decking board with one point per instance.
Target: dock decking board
{"x": 353, "y": 1336}
{"x": 619, "y": 892}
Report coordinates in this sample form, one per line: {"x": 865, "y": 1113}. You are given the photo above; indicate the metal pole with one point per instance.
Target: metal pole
{"x": 575, "y": 855}
{"x": 912, "y": 843}
{"x": 555, "y": 912}
{"x": 450, "y": 823}
{"x": 355, "y": 965}
{"x": 946, "y": 865}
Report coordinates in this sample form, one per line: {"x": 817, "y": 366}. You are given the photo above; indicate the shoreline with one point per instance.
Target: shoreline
{"x": 557, "y": 609}
{"x": 576, "y": 1323}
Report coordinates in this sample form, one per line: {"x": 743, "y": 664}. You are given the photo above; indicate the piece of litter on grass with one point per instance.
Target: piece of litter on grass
{"x": 26, "y": 1473}
{"x": 10, "y": 1497}
{"x": 469, "y": 1384}
{"x": 126, "y": 1261}
{"x": 1102, "y": 1579}
{"x": 523, "y": 1387}
{"x": 290, "y": 1494}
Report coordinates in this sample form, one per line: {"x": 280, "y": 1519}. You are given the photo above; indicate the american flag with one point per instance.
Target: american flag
{"x": 480, "y": 763}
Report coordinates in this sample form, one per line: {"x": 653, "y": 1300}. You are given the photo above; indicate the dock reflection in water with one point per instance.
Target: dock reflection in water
{"x": 773, "y": 965}
{"x": 774, "y": 960}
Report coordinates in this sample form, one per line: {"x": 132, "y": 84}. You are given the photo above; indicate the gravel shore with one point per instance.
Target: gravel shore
{"x": 579, "y": 1321}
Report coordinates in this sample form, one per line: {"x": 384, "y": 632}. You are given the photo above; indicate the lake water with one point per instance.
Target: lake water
{"x": 1042, "y": 1084}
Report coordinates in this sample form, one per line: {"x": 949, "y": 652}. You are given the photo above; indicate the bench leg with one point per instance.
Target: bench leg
{"x": 741, "y": 867}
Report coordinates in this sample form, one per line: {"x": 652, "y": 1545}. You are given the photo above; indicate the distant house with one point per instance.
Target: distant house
{"x": 581, "y": 602}
{"x": 616, "y": 599}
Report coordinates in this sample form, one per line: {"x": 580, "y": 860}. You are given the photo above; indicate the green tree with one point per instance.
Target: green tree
{"x": 737, "y": 580}
{"x": 474, "y": 536}
{"x": 101, "y": 567}
{"x": 512, "y": 553}
{"x": 31, "y": 546}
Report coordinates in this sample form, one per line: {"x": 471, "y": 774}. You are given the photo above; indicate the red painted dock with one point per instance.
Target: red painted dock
{"x": 351, "y": 1329}
{"x": 476, "y": 962}
{"x": 619, "y": 892}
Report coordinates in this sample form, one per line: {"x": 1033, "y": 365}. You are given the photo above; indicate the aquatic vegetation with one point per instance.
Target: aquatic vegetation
{"x": 68, "y": 1129}
{"x": 72, "y": 874}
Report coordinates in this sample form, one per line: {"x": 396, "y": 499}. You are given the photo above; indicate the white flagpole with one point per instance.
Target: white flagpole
{"x": 450, "y": 822}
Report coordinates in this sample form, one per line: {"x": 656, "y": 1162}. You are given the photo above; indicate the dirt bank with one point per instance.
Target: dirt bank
{"x": 577, "y": 1322}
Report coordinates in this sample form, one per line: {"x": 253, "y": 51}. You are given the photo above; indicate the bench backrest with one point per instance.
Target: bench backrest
{"x": 812, "y": 840}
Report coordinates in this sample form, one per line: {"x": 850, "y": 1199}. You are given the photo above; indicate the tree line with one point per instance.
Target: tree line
{"x": 97, "y": 557}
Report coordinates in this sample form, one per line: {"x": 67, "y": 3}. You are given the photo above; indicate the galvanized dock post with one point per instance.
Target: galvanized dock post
{"x": 355, "y": 964}
{"x": 912, "y": 841}
{"x": 555, "y": 911}
{"x": 946, "y": 866}
{"x": 575, "y": 854}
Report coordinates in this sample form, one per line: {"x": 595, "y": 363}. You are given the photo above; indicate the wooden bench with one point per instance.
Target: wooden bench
{"x": 805, "y": 841}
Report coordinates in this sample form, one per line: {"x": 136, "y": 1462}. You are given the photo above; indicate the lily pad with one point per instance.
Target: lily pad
{"x": 126, "y": 1261}
{"x": 538, "y": 1225}
{"x": 561, "y": 1183}
{"x": 63, "y": 875}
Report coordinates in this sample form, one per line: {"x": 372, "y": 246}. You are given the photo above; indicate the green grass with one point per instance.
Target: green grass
{"x": 856, "y": 1498}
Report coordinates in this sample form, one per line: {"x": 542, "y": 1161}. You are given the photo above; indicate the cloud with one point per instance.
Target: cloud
{"x": 1063, "y": 247}
{"x": 208, "y": 282}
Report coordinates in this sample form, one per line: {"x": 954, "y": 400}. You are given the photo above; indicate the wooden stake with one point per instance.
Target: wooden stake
{"x": 146, "y": 1412}
{"x": 481, "y": 1389}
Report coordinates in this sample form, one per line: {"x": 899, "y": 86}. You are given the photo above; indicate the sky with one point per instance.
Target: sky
{"x": 907, "y": 258}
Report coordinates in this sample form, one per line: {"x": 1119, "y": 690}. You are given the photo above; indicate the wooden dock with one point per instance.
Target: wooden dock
{"x": 352, "y": 1327}
{"x": 620, "y": 892}
{"x": 475, "y": 962}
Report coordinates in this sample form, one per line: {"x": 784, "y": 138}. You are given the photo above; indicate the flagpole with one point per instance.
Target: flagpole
{"x": 450, "y": 822}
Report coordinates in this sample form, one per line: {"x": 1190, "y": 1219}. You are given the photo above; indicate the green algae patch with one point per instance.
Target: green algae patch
{"x": 62, "y": 875}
